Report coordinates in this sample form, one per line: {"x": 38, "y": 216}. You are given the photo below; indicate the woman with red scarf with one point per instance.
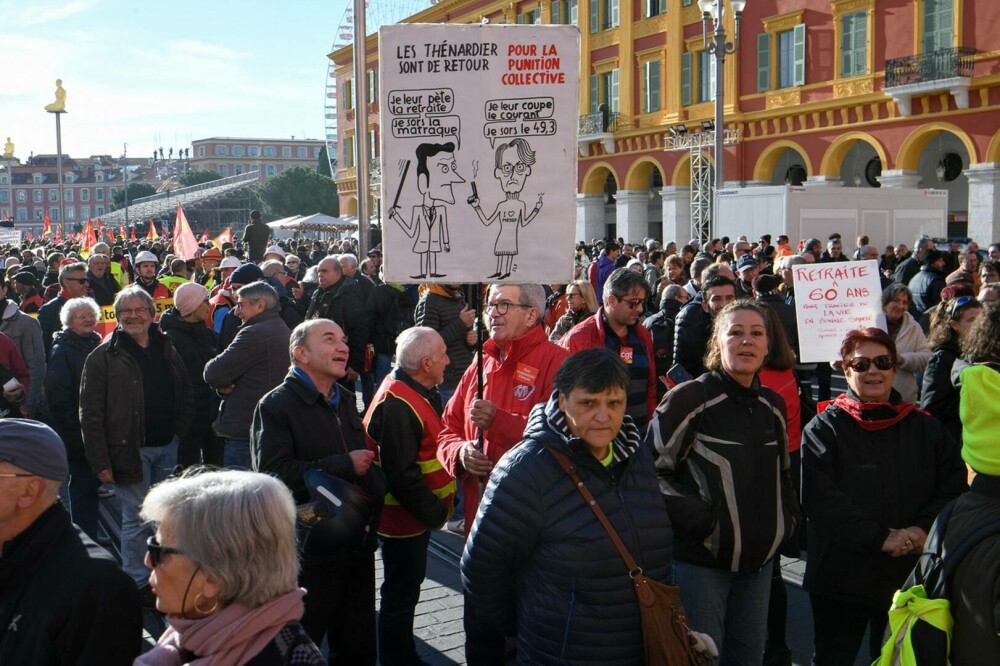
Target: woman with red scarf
{"x": 875, "y": 473}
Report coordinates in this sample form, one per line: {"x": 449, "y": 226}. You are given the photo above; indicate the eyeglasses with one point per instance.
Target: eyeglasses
{"x": 959, "y": 302}
{"x": 133, "y": 312}
{"x": 862, "y": 363}
{"x": 502, "y": 307}
{"x": 633, "y": 303}
{"x": 156, "y": 551}
{"x": 519, "y": 167}
{"x": 14, "y": 475}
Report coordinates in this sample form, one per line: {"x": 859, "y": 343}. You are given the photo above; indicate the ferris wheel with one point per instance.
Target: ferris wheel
{"x": 378, "y": 13}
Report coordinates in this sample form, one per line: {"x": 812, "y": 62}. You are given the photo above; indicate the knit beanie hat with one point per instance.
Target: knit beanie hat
{"x": 246, "y": 274}
{"x": 188, "y": 297}
{"x": 979, "y": 410}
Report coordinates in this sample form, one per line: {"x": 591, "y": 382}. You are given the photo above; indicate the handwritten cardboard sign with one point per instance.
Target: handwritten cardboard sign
{"x": 478, "y": 152}
{"x": 831, "y": 300}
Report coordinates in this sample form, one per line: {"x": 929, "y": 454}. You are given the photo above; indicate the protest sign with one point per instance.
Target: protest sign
{"x": 10, "y": 236}
{"x": 832, "y": 299}
{"x": 478, "y": 152}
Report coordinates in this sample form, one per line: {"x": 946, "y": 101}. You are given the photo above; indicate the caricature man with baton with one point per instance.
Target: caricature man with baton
{"x": 437, "y": 171}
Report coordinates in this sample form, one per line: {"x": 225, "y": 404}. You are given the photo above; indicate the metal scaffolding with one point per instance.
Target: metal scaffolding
{"x": 701, "y": 174}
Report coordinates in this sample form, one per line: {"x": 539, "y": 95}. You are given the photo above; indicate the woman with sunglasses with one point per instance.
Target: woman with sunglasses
{"x": 876, "y": 471}
{"x": 224, "y": 569}
{"x": 581, "y": 302}
{"x": 950, "y": 324}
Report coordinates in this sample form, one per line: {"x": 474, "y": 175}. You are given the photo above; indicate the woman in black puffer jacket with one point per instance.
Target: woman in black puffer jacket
{"x": 70, "y": 348}
{"x": 185, "y": 325}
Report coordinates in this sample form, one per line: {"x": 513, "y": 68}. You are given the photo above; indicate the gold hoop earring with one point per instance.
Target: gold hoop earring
{"x": 206, "y": 611}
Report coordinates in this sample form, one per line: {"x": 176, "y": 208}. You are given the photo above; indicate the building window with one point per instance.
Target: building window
{"x": 99, "y": 211}
{"x": 39, "y": 213}
{"x": 653, "y": 7}
{"x": 238, "y": 151}
{"x": 237, "y": 169}
{"x": 21, "y": 196}
{"x": 348, "y": 153}
{"x": 4, "y": 196}
{"x": 201, "y": 151}
{"x": 938, "y": 25}
{"x": 221, "y": 150}
{"x": 286, "y": 151}
{"x": 347, "y": 94}
{"x": 37, "y": 196}
{"x": 99, "y": 177}
{"x": 604, "y": 90}
{"x": 301, "y": 152}
{"x": 565, "y": 12}
{"x": 269, "y": 151}
{"x": 22, "y": 214}
{"x": 69, "y": 196}
{"x": 781, "y": 58}
{"x": 70, "y": 214}
{"x": 706, "y": 76}
{"x": 372, "y": 87}
{"x": 36, "y": 179}
{"x": 271, "y": 170}
{"x": 85, "y": 194}
{"x": 854, "y": 44}
{"x": 651, "y": 86}
{"x": 253, "y": 151}
{"x": 54, "y": 195}
{"x": 532, "y": 17}
{"x": 84, "y": 212}
{"x": 54, "y": 213}
{"x": 604, "y": 15}
{"x": 223, "y": 170}
{"x": 99, "y": 194}
{"x": 112, "y": 192}
{"x": 316, "y": 152}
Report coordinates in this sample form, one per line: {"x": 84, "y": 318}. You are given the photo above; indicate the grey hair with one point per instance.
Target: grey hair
{"x": 349, "y": 259}
{"x": 71, "y": 268}
{"x": 292, "y": 257}
{"x": 260, "y": 291}
{"x": 98, "y": 255}
{"x": 335, "y": 262}
{"x": 133, "y": 293}
{"x": 414, "y": 345}
{"x": 532, "y": 295}
{"x": 270, "y": 267}
{"x": 74, "y": 304}
{"x": 794, "y": 260}
{"x": 670, "y": 293}
{"x": 238, "y": 526}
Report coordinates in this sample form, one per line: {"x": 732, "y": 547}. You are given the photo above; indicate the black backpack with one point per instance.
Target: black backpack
{"x": 920, "y": 621}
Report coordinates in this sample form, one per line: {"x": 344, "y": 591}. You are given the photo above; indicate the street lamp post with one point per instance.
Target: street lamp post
{"x": 717, "y": 46}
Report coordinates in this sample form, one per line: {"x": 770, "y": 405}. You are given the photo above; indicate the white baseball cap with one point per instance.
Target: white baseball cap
{"x": 275, "y": 249}
{"x": 230, "y": 262}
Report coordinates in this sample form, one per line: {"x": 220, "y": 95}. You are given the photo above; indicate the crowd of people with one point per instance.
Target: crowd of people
{"x": 270, "y": 414}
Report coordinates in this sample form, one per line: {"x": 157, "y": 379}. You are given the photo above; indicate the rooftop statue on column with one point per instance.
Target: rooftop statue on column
{"x": 58, "y": 106}
{"x": 8, "y": 150}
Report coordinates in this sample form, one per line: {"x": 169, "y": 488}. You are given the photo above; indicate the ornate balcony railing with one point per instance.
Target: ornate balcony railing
{"x": 601, "y": 123}
{"x": 927, "y": 67}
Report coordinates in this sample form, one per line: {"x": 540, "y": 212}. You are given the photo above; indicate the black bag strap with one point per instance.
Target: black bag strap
{"x": 937, "y": 575}
{"x": 570, "y": 468}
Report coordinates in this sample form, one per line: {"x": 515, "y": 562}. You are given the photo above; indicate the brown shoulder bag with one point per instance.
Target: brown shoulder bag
{"x": 664, "y": 623}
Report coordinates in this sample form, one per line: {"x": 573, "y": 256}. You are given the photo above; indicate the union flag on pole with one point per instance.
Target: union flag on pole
{"x": 185, "y": 245}
{"x": 88, "y": 240}
{"x": 152, "y": 235}
{"x": 48, "y": 226}
{"x": 225, "y": 237}
{"x": 59, "y": 237}
{"x": 132, "y": 237}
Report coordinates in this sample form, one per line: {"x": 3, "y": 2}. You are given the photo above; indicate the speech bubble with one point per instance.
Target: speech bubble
{"x": 517, "y": 109}
{"x": 506, "y": 130}
{"x": 441, "y": 128}
{"x": 421, "y": 102}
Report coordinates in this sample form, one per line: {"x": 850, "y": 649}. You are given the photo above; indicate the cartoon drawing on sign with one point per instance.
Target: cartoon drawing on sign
{"x": 437, "y": 171}
{"x": 513, "y": 166}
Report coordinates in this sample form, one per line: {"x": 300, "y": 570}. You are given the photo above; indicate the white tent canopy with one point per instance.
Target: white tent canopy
{"x": 314, "y": 222}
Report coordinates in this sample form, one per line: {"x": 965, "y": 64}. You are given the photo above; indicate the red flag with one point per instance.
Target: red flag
{"x": 121, "y": 232}
{"x": 152, "y": 235}
{"x": 100, "y": 229}
{"x": 185, "y": 245}
{"x": 28, "y": 236}
{"x": 225, "y": 237}
{"x": 89, "y": 239}
{"x": 205, "y": 237}
{"x": 59, "y": 237}
{"x": 132, "y": 237}
{"x": 48, "y": 226}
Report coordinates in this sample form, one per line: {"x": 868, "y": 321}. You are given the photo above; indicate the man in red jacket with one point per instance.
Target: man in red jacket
{"x": 616, "y": 326}
{"x": 519, "y": 365}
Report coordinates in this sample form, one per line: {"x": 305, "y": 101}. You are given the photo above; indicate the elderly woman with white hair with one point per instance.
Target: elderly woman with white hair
{"x": 224, "y": 569}
{"x": 70, "y": 348}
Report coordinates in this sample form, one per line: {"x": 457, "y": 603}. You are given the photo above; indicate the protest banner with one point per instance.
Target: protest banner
{"x": 832, "y": 299}
{"x": 10, "y": 236}
{"x": 478, "y": 152}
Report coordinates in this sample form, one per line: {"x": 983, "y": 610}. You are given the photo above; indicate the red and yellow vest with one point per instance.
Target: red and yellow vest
{"x": 397, "y": 521}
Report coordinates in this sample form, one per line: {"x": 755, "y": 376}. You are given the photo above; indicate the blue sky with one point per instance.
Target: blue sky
{"x": 154, "y": 74}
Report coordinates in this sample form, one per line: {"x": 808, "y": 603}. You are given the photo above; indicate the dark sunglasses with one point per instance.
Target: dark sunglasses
{"x": 959, "y": 302}
{"x": 862, "y": 363}
{"x": 156, "y": 551}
